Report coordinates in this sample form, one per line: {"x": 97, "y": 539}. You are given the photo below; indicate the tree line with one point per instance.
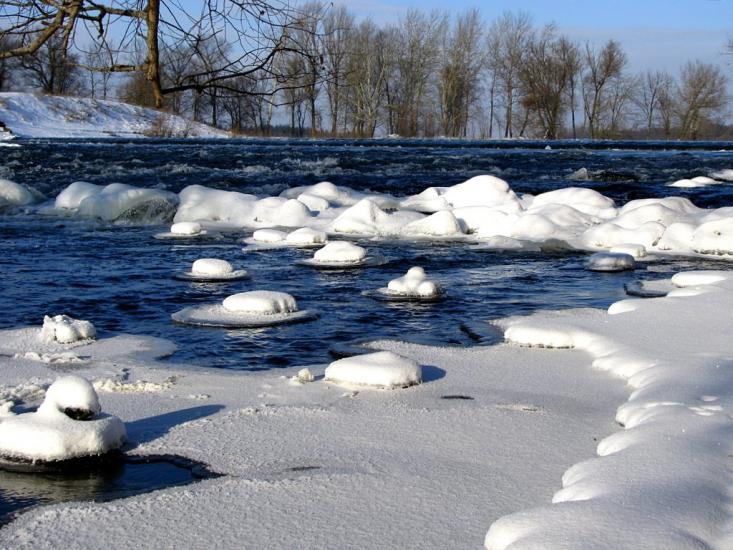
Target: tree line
{"x": 259, "y": 67}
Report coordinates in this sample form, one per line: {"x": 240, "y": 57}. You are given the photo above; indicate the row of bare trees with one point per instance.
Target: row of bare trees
{"x": 248, "y": 65}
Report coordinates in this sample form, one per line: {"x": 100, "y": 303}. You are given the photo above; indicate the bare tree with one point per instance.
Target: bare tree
{"x": 338, "y": 27}
{"x": 702, "y": 93}
{"x": 601, "y": 67}
{"x": 52, "y": 71}
{"x": 508, "y": 39}
{"x": 458, "y": 78}
{"x": 416, "y": 55}
{"x": 253, "y": 29}
{"x": 545, "y": 76}
{"x": 650, "y": 95}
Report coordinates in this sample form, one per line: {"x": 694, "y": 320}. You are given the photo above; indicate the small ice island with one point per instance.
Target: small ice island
{"x": 69, "y": 424}
{"x": 212, "y": 270}
{"x": 256, "y": 308}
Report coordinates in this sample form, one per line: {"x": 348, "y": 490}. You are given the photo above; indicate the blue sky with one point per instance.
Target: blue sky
{"x": 656, "y": 34}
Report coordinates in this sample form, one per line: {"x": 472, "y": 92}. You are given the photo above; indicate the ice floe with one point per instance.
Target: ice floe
{"x": 383, "y": 369}
{"x": 303, "y": 237}
{"x": 341, "y": 255}
{"x": 698, "y": 181}
{"x": 16, "y": 194}
{"x": 256, "y": 308}
{"x": 414, "y": 285}
{"x": 69, "y": 424}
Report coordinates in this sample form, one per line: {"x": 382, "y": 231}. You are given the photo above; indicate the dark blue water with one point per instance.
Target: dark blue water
{"x": 119, "y": 277}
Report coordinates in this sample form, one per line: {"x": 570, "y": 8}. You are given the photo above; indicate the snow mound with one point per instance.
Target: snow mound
{"x": 29, "y": 115}
{"x": 269, "y": 236}
{"x": 383, "y": 369}
{"x": 187, "y": 229}
{"x": 440, "y": 224}
{"x": 699, "y": 181}
{"x": 305, "y": 236}
{"x": 211, "y": 266}
{"x": 610, "y": 261}
{"x": 414, "y": 283}
{"x": 67, "y": 425}
{"x": 66, "y": 330}
{"x": 340, "y": 252}
{"x": 15, "y": 194}
{"x": 260, "y": 302}
{"x": 714, "y": 237}
{"x": 637, "y": 251}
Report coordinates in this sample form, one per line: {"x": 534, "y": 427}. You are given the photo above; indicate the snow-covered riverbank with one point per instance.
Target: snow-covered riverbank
{"x": 488, "y": 433}
{"x": 31, "y": 115}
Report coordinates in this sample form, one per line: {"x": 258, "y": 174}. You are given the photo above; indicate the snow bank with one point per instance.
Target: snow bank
{"x": 30, "y": 115}
{"x": 383, "y": 369}
{"x": 67, "y": 425}
{"x": 65, "y": 330}
{"x": 414, "y": 283}
{"x": 662, "y": 478}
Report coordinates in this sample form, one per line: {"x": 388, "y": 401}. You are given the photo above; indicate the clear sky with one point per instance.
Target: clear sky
{"x": 656, "y": 34}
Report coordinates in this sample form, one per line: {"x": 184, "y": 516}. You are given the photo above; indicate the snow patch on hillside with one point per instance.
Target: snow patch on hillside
{"x": 29, "y": 115}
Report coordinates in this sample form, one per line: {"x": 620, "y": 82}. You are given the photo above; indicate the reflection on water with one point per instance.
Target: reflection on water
{"x": 100, "y": 480}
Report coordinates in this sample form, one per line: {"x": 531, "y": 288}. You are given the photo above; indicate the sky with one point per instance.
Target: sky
{"x": 656, "y": 34}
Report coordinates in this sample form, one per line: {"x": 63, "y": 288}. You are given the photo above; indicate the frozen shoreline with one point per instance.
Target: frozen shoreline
{"x": 315, "y": 464}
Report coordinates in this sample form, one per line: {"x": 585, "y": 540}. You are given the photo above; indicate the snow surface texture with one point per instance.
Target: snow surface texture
{"x": 663, "y": 479}
{"x": 482, "y": 210}
{"x": 54, "y": 432}
{"x": 414, "y": 283}
{"x": 383, "y": 369}
{"x": 30, "y": 115}
{"x": 65, "y": 330}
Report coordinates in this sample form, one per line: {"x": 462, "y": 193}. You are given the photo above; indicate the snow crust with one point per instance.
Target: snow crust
{"x": 51, "y": 434}
{"x": 66, "y": 330}
{"x": 383, "y": 369}
{"x": 30, "y": 115}
{"x": 414, "y": 283}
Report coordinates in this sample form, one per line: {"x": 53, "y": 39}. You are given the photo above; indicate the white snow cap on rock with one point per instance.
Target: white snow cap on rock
{"x": 414, "y": 283}
{"x": 186, "y": 228}
{"x": 383, "y": 369}
{"x": 260, "y": 302}
{"x": 340, "y": 252}
{"x": 440, "y": 224}
{"x": 610, "y": 261}
{"x": 211, "y": 266}
{"x": 66, "y": 330}
{"x": 699, "y": 181}
{"x": 52, "y": 433}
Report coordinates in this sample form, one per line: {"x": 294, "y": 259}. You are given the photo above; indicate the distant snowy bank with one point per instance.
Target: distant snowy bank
{"x": 30, "y": 115}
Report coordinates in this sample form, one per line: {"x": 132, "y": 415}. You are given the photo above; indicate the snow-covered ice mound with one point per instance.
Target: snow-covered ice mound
{"x": 414, "y": 285}
{"x": 304, "y": 237}
{"x": 183, "y": 230}
{"x": 66, "y": 330}
{"x": 383, "y": 369}
{"x": 610, "y": 261}
{"x": 15, "y": 194}
{"x": 69, "y": 424}
{"x": 699, "y": 181}
{"x": 342, "y": 254}
{"x": 256, "y": 308}
{"x": 212, "y": 270}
